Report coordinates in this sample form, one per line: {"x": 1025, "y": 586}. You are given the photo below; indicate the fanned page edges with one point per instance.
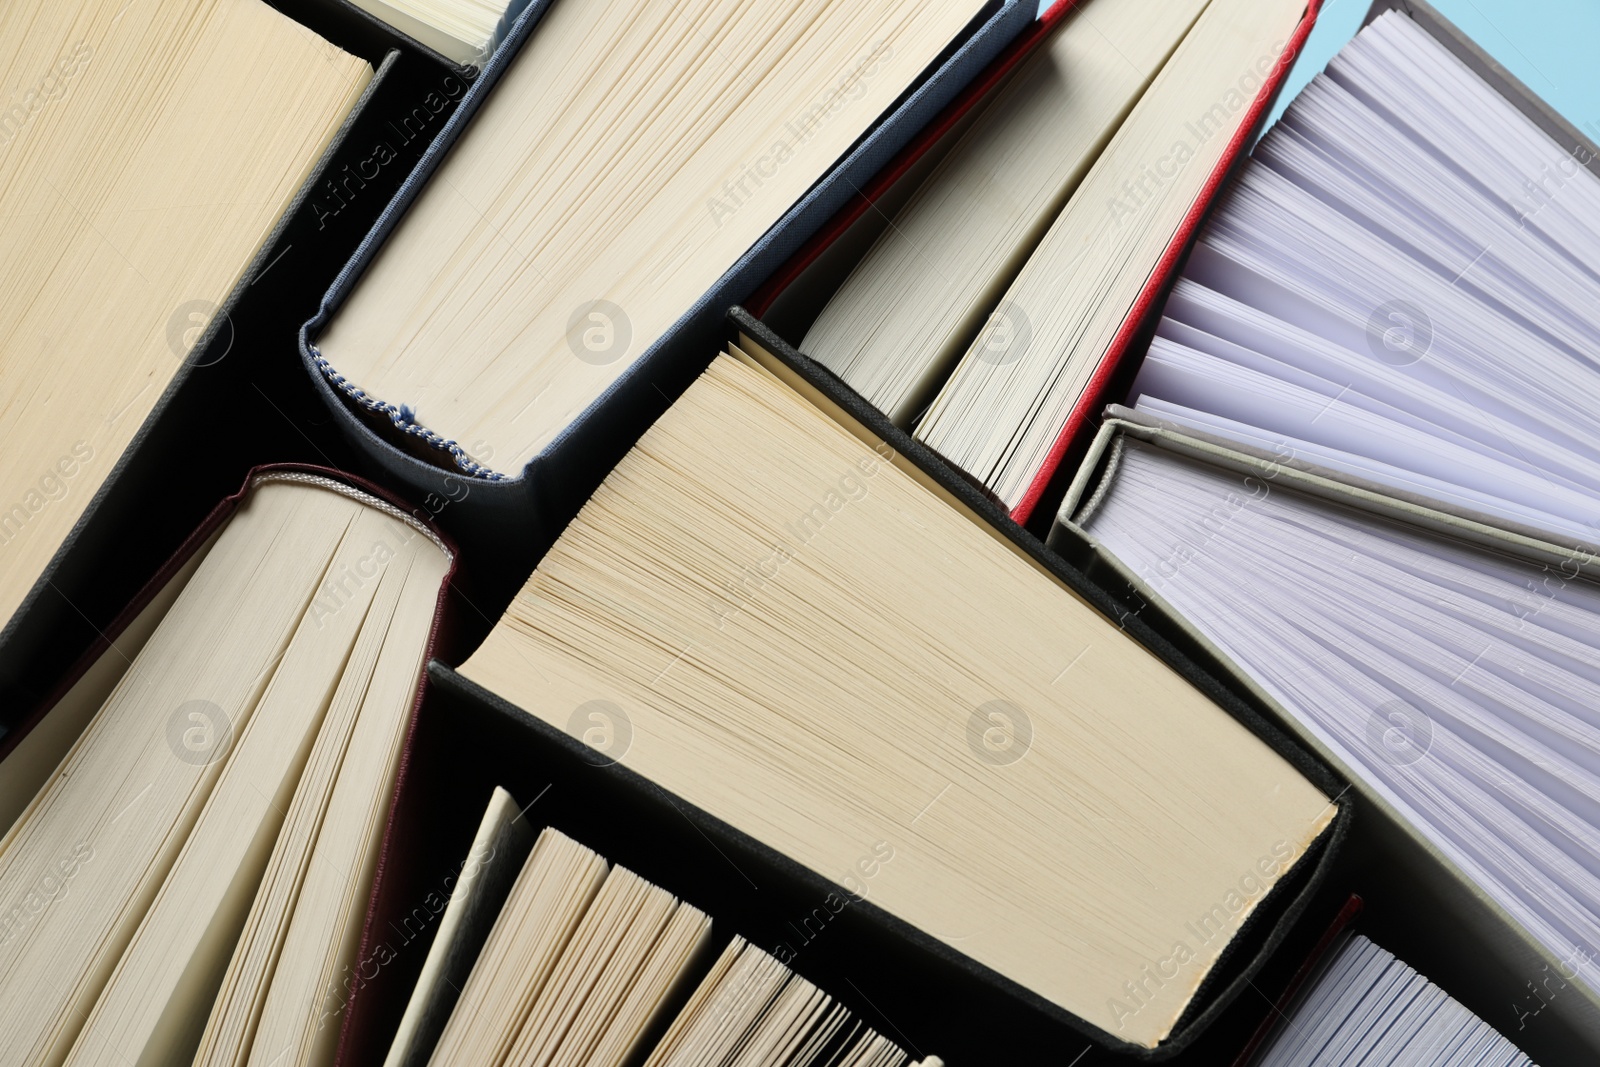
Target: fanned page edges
{"x": 92, "y": 676}
{"x": 338, "y": 481}
{"x": 754, "y": 343}
{"x": 1140, "y": 319}
{"x": 1401, "y": 169}
{"x": 1366, "y": 1005}
{"x": 951, "y": 238}
{"x": 268, "y": 648}
{"x": 154, "y": 244}
{"x": 710, "y": 761}
{"x": 987, "y": 82}
{"x": 1523, "y": 914}
{"x": 914, "y": 40}
{"x": 885, "y": 373}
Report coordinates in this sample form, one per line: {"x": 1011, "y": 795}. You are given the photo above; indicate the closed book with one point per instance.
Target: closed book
{"x": 629, "y": 719}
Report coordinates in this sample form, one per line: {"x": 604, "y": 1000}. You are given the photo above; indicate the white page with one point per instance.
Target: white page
{"x": 1367, "y": 1007}
{"x": 1385, "y": 474}
{"x": 1182, "y": 376}
{"x": 1389, "y": 290}
{"x": 1344, "y": 619}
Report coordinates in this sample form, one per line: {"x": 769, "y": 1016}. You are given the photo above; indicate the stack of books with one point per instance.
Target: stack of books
{"x": 522, "y": 537}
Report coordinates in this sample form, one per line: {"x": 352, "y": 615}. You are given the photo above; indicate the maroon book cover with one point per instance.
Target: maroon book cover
{"x": 359, "y": 993}
{"x": 1280, "y": 1009}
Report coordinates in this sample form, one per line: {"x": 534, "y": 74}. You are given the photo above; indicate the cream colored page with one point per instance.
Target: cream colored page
{"x": 153, "y": 1009}
{"x": 631, "y": 154}
{"x": 149, "y": 150}
{"x": 368, "y": 713}
{"x": 651, "y": 998}
{"x": 28, "y": 767}
{"x": 304, "y": 1007}
{"x": 592, "y": 978}
{"x": 459, "y": 30}
{"x": 552, "y": 895}
{"x": 788, "y": 631}
{"x": 84, "y": 862}
{"x": 903, "y": 317}
{"x": 1000, "y": 412}
{"x": 503, "y": 839}
{"x": 718, "y": 992}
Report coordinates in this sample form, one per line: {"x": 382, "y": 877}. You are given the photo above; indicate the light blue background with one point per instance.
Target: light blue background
{"x": 1549, "y": 45}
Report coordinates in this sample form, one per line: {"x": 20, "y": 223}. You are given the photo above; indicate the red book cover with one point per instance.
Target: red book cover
{"x": 1085, "y": 414}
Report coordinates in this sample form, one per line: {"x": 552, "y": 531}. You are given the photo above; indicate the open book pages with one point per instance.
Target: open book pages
{"x": 1404, "y": 286}
{"x": 732, "y": 605}
{"x": 633, "y": 151}
{"x": 581, "y": 962}
{"x": 1460, "y": 684}
{"x": 499, "y": 849}
{"x": 147, "y": 152}
{"x": 1366, "y": 1007}
{"x": 590, "y": 964}
{"x": 1001, "y": 411}
{"x": 751, "y": 1003}
{"x": 217, "y": 822}
{"x": 914, "y": 303}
